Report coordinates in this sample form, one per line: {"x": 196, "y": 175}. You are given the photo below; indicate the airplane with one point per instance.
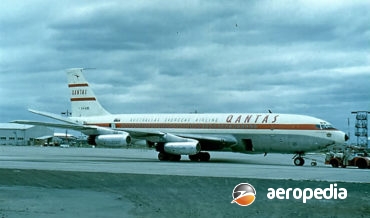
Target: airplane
{"x": 192, "y": 134}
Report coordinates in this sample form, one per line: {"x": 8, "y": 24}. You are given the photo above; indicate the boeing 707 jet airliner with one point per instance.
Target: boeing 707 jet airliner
{"x": 193, "y": 134}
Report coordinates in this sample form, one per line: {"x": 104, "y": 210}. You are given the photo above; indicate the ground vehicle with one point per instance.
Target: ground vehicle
{"x": 351, "y": 156}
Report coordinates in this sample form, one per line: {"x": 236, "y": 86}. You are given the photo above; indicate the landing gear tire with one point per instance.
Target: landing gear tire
{"x": 194, "y": 157}
{"x": 175, "y": 157}
{"x": 163, "y": 156}
{"x": 334, "y": 163}
{"x": 204, "y": 156}
{"x": 201, "y": 156}
{"x": 298, "y": 161}
{"x": 361, "y": 163}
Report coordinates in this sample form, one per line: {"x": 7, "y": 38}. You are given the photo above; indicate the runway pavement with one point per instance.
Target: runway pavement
{"x": 143, "y": 161}
{"x": 55, "y": 182}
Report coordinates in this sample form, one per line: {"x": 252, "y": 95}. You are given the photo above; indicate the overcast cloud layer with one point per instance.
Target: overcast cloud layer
{"x": 304, "y": 57}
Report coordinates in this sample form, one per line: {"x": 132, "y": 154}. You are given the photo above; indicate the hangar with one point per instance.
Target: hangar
{"x": 17, "y": 134}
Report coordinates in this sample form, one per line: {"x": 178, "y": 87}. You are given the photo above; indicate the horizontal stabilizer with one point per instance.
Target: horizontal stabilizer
{"x": 54, "y": 125}
{"x": 51, "y": 115}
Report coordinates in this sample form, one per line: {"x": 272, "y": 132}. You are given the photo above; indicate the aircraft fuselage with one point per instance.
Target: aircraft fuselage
{"x": 252, "y": 133}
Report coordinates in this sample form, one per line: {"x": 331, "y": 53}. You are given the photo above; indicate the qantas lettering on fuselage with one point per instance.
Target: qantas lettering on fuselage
{"x": 251, "y": 119}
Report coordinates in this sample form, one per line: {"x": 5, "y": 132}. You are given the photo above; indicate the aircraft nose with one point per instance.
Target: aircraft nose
{"x": 346, "y": 137}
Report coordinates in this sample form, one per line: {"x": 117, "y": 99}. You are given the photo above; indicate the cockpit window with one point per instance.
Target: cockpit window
{"x": 325, "y": 126}
{"x": 328, "y": 126}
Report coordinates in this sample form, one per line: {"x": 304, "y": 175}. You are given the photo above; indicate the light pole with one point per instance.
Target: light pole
{"x": 361, "y": 128}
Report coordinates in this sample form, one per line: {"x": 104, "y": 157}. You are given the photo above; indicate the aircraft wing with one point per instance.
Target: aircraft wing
{"x": 207, "y": 141}
{"x": 212, "y": 141}
{"x": 141, "y": 134}
{"x": 153, "y": 136}
{"x": 145, "y": 134}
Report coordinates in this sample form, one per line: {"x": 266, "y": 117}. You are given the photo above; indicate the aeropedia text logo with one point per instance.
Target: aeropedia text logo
{"x": 244, "y": 194}
{"x": 332, "y": 192}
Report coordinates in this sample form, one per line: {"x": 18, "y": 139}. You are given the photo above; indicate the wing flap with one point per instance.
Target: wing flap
{"x": 212, "y": 142}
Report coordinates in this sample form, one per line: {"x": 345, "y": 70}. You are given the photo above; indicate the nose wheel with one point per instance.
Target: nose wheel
{"x": 298, "y": 160}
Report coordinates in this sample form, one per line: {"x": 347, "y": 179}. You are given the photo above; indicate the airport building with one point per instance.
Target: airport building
{"x": 17, "y": 134}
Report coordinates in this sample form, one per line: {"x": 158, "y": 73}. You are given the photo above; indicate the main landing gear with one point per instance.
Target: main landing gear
{"x": 201, "y": 156}
{"x": 164, "y": 156}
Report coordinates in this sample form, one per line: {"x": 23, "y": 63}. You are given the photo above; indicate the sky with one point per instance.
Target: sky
{"x": 300, "y": 57}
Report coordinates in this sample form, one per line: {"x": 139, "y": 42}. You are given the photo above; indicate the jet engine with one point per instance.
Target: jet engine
{"x": 112, "y": 140}
{"x": 185, "y": 148}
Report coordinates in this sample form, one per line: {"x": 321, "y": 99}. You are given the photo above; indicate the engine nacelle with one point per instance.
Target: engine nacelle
{"x": 185, "y": 148}
{"x": 113, "y": 140}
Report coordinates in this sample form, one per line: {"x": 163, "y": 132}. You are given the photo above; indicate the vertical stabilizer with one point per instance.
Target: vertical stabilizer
{"x": 83, "y": 101}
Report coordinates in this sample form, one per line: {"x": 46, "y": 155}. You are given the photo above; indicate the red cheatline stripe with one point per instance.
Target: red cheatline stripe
{"x": 78, "y": 85}
{"x": 83, "y": 99}
{"x": 212, "y": 126}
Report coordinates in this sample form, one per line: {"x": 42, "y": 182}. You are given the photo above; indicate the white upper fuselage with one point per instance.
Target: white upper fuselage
{"x": 254, "y": 132}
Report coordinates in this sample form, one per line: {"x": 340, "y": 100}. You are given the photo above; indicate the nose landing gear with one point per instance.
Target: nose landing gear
{"x": 298, "y": 160}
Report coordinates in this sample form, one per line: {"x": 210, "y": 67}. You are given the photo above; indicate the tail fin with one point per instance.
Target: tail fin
{"x": 83, "y": 100}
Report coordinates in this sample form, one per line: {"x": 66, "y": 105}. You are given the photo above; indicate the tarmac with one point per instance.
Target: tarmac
{"x": 100, "y": 182}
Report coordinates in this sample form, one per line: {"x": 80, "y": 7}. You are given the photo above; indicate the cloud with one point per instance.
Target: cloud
{"x": 180, "y": 56}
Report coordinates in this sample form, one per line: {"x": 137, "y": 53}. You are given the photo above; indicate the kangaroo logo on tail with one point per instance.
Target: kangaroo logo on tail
{"x": 83, "y": 100}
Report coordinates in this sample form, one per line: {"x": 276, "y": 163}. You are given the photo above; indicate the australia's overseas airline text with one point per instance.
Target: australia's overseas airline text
{"x": 249, "y": 118}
